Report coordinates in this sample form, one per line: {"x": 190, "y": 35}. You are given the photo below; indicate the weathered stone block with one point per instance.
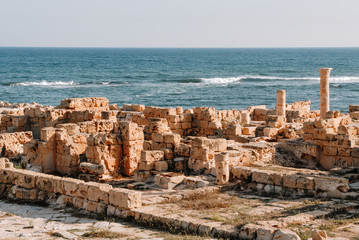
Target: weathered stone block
{"x": 98, "y": 192}
{"x": 125, "y": 198}
{"x": 152, "y": 156}
{"x": 161, "y": 166}
{"x": 172, "y": 138}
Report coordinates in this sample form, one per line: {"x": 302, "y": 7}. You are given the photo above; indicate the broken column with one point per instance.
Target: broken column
{"x": 245, "y": 118}
{"x": 222, "y": 168}
{"x": 324, "y": 91}
{"x": 280, "y": 108}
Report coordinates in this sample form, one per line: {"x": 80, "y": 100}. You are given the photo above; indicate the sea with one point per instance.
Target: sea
{"x": 220, "y": 78}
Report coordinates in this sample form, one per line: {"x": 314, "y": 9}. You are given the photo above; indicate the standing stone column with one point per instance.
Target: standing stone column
{"x": 245, "y": 118}
{"x": 281, "y": 104}
{"x": 324, "y": 91}
{"x": 222, "y": 168}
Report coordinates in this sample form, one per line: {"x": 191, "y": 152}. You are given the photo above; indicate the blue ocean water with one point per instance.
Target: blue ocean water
{"x": 222, "y": 78}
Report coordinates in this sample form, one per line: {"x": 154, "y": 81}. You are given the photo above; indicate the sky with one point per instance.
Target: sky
{"x": 179, "y": 23}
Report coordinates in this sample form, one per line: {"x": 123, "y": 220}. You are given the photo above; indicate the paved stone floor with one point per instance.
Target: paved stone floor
{"x": 21, "y": 221}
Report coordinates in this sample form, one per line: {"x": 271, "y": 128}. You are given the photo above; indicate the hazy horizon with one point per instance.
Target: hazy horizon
{"x": 179, "y": 24}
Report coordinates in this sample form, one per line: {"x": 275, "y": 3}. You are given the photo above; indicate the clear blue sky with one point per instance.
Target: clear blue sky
{"x": 179, "y": 23}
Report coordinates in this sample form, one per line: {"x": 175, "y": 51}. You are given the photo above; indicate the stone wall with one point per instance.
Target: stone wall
{"x": 292, "y": 182}
{"x": 91, "y": 196}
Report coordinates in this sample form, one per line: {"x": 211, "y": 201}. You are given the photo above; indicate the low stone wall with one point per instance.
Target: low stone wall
{"x": 293, "y": 182}
{"x": 91, "y": 196}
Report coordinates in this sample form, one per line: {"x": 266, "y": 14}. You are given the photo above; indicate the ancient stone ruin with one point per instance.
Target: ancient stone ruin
{"x": 100, "y": 157}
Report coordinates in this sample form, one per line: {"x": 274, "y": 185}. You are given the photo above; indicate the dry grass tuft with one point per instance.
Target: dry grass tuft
{"x": 209, "y": 201}
{"x": 98, "y": 233}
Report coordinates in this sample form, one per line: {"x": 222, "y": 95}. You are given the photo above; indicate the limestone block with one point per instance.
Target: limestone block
{"x": 169, "y": 180}
{"x": 308, "y": 127}
{"x": 179, "y": 164}
{"x": 168, "y": 153}
{"x": 123, "y": 198}
{"x": 187, "y": 118}
{"x": 179, "y": 110}
{"x": 174, "y": 118}
{"x": 248, "y": 130}
{"x": 264, "y": 233}
{"x": 347, "y": 130}
{"x": 219, "y": 144}
{"x": 202, "y": 142}
{"x": 208, "y": 132}
{"x": 142, "y": 176}
{"x": 86, "y": 167}
{"x": 186, "y": 125}
{"x": 70, "y": 186}
{"x": 262, "y": 176}
{"x": 94, "y": 207}
{"x": 147, "y": 145}
{"x": 330, "y": 151}
{"x": 355, "y": 152}
{"x": 95, "y": 154}
{"x": 5, "y": 163}
{"x": 353, "y": 108}
{"x": 158, "y": 137}
{"x": 234, "y": 129}
{"x": 184, "y": 150}
{"x": 46, "y": 182}
{"x": 146, "y": 166}
{"x": 152, "y": 156}
{"x": 270, "y": 132}
{"x": 98, "y": 192}
{"x": 200, "y": 166}
{"x": 158, "y": 125}
{"x": 138, "y": 107}
{"x": 9, "y": 176}
{"x": 209, "y": 114}
{"x": 158, "y": 146}
{"x": 320, "y": 133}
{"x": 203, "y": 124}
{"x": 161, "y": 166}
{"x": 215, "y": 125}
{"x": 61, "y": 135}
{"x": 26, "y": 179}
{"x": 285, "y": 234}
{"x": 129, "y": 131}
{"x": 346, "y": 152}
{"x": 200, "y": 153}
{"x": 105, "y": 126}
{"x": 275, "y": 121}
{"x": 354, "y": 115}
{"x": 172, "y": 138}
{"x": 87, "y": 127}
{"x": 331, "y": 184}
{"x": 71, "y": 128}
{"x": 22, "y": 193}
{"x": 304, "y": 182}
{"x": 241, "y": 173}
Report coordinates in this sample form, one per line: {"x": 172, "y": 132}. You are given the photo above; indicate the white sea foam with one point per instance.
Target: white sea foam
{"x": 221, "y": 80}
{"x": 227, "y": 80}
{"x": 105, "y": 83}
{"x": 44, "y": 83}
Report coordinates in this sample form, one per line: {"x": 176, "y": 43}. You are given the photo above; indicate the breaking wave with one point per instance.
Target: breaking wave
{"x": 44, "y": 83}
{"x": 229, "y": 80}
